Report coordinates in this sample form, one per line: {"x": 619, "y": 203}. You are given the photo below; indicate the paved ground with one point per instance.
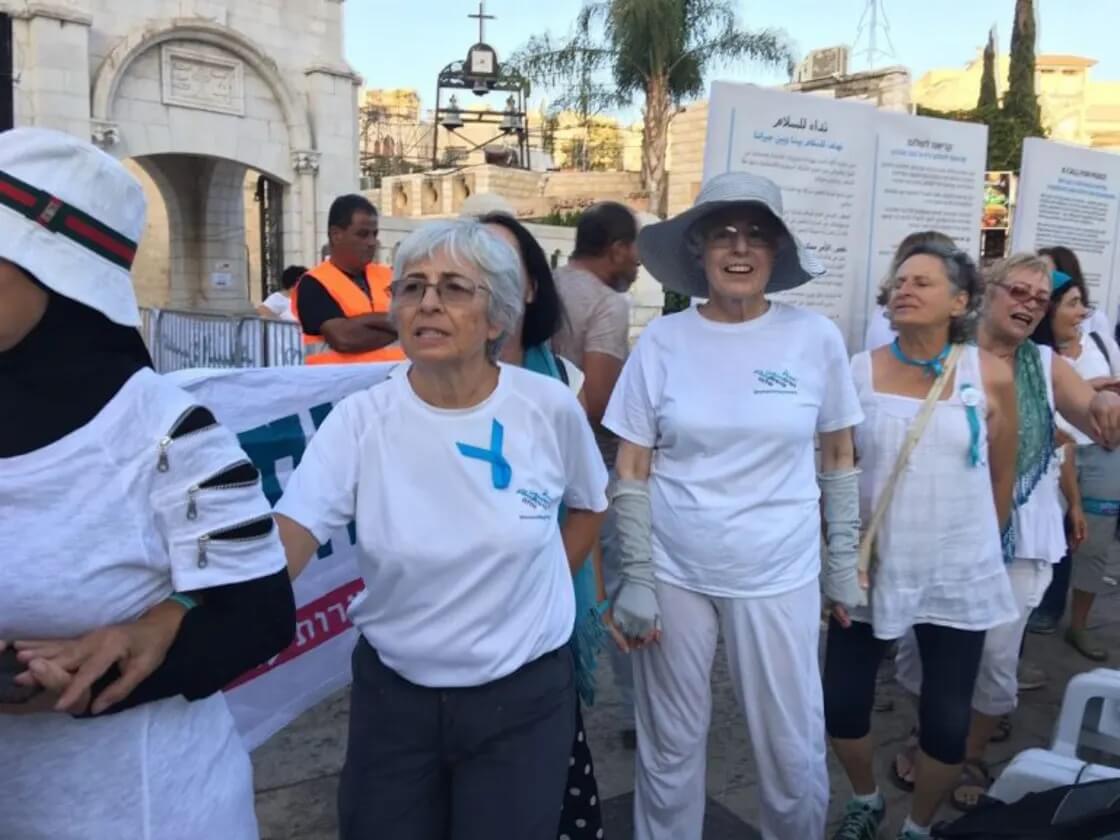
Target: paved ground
{"x": 297, "y": 771}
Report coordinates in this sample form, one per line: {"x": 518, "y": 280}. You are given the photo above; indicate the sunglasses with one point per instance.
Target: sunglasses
{"x": 1021, "y": 293}
{"x": 725, "y": 237}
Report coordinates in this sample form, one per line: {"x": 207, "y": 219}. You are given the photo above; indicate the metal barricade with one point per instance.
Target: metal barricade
{"x": 179, "y": 339}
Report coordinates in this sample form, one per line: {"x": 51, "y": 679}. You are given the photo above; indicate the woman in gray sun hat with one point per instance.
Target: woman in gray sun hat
{"x": 718, "y": 500}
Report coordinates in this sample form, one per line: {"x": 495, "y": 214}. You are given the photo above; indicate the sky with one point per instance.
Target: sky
{"x": 405, "y": 43}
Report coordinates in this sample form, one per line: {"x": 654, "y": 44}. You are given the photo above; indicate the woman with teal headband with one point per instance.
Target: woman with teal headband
{"x": 1095, "y": 561}
{"x": 581, "y": 816}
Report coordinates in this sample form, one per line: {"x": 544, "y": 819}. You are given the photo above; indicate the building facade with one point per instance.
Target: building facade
{"x": 239, "y": 117}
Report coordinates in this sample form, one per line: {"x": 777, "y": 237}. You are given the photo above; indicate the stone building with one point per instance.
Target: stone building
{"x": 1076, "y": 108}
{"x": 212, "y": 103}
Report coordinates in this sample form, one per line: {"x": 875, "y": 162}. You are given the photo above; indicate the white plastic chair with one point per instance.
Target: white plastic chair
{"x": 1090, "y": 717}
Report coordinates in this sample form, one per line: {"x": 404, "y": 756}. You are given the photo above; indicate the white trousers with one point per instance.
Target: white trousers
{"x": 997, "y": 683}
{"x": 771, "y": 646}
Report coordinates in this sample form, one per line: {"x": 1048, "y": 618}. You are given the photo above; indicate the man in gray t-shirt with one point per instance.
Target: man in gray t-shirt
{"x": 592, "y": 286}
{"x": 596, "y": 337}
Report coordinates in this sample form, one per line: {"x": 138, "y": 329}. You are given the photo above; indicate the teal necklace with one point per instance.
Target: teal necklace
{"x": 933, "y": 366}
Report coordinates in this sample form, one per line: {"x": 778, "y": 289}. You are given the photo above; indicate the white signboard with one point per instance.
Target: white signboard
{"x": 1070, "y": 195}
{"x": 854, "y": 180}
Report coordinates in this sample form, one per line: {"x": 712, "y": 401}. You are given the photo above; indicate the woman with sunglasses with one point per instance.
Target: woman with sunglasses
{"x": 463, "y": 702}
{"x": 719, "y": 503}
{"x": 1095, "y": 560}
{"x": 1018, "y": 295}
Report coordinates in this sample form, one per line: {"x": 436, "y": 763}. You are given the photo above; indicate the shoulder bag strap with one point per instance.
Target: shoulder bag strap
{"x": 1101, "y": 346}
{"x": 917, "y": 428}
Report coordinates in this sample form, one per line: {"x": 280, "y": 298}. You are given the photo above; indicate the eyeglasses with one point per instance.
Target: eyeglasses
{"x": 725, "y": 237}
{"x": 451, "y": 289}
{"x": 1023, "y": 294}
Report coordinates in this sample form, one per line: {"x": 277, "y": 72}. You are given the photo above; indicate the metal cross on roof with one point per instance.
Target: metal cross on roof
{"x": 482, "y": 17}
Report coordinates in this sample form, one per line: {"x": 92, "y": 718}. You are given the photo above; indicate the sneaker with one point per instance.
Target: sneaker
{"x": 1042, "y": 624}
{"x": 1031, "y": 677}
{"x": 861, "y": 820}
{"x": 1086, "y": 644}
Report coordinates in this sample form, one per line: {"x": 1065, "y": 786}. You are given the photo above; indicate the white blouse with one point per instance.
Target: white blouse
{"x": 939, "y": 555}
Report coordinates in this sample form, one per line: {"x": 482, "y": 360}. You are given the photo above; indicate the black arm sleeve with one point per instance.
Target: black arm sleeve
{"x": 315, "y": 306}
{"x": 236, "y": 628}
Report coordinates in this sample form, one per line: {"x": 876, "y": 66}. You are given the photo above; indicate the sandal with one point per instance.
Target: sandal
{"x": 972, "y": 790}
{"x": 901, "y": 769}
{"x": 1086, "y": 645}
{"x": 1003, "y": 730}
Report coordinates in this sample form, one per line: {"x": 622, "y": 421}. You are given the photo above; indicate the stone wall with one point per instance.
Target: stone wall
{"x": 687, "y": 134}
{"x": 533, "y": 194}
{"x": 201, "y": 95}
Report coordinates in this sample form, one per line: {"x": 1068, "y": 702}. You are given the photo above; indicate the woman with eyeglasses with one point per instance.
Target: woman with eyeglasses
{"x": 1095, "y": 561}
{"x": 463, "y": 701}
{"x": 719, "y": 504}
{"x": 938, "y": 567}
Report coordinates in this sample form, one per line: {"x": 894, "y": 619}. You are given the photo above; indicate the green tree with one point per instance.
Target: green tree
{"x": 660, "y": 50}
{"x": 1020, "y": 116}
{"x": 989, "y": 97}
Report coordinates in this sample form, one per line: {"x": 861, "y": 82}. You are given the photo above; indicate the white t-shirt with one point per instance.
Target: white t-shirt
{"x": 1090, "y": 364}
{"x": 94, "y": 533}
{"x": 732, "y": 411}
{"x": 466, "y": 580}
{"x": 280, "y": 305}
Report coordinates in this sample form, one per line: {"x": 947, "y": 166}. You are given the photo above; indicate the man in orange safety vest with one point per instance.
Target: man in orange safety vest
{"x": 343, "y": 304}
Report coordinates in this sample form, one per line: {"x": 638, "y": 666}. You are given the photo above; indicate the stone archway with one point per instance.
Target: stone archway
{"x": 197, "y": 106}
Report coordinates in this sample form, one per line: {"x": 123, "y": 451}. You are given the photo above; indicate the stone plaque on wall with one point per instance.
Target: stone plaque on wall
{"x": 193, "y": 79}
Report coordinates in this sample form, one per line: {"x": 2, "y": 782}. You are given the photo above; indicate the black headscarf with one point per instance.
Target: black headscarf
{"x": 62, "y": 374}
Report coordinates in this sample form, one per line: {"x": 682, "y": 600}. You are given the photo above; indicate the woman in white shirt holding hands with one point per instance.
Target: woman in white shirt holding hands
{"x": 718, "y": 505}
{"x": 463, "y": 705}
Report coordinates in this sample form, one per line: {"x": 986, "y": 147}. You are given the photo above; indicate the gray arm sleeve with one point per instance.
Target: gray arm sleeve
{"x": 635, "y": 606}
{"x": 840, "y": 503}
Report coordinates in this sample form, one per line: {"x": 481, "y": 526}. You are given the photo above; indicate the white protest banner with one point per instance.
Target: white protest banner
{"x": 929, "y": 175}
{"x": 1070, "y": 195}
{"x": 275, "y": 412}
{"x": 855, "y": 180}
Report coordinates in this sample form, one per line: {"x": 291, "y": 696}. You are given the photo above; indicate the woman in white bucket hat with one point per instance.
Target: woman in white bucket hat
{"x": 140, "y": 570}
{"x": 718, "y": 503}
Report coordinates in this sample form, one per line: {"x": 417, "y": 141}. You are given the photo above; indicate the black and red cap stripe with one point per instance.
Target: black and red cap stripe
{"x": 57, "y": 216}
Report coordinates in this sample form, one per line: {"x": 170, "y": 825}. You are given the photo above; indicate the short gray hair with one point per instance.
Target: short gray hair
{"x": 468, "y": 242}
{"x": 963, "y": 275}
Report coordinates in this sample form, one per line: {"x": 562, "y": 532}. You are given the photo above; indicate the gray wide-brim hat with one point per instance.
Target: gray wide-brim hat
{"x": 667, "y": 248}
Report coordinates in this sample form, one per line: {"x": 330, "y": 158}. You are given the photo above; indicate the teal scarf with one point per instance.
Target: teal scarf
{"x": 1036, "y": 432}
{"x": 589, "y": 635}
{"x": 1036, "y": 421}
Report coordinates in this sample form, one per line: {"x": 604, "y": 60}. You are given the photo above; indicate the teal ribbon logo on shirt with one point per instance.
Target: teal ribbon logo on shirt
{"x": 501, "y": 473}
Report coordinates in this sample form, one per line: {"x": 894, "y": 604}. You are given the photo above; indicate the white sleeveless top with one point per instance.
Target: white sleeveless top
{"x": 1039, "y": 533}
{"x": 940, "y": 560}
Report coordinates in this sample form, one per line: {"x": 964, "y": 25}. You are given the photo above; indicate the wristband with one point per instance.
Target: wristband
{"x": 185, "y": 601}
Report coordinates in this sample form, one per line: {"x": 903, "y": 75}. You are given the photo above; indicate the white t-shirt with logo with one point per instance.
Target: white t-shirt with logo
{"x": 94, "y": 533}
{"x": 732, "y": 411}
{"x": 465, "y": 571}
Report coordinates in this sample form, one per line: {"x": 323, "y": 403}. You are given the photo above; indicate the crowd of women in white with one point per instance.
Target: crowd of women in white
{"x": 478, "y": 494}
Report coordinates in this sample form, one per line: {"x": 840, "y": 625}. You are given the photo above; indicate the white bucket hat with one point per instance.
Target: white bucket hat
{"x": 668, "y": 251}
{"x": 71, "y": 216}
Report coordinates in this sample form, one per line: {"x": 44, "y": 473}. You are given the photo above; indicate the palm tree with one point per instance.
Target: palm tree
{"x": 659, "y": 49}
